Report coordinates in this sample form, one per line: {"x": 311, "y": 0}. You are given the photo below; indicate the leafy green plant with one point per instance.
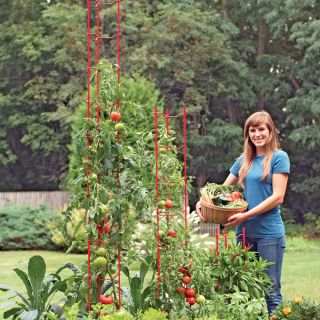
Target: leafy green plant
{"x": 234, "y": 306}
{"x": 238, "y": 269}
{"x": 40, "y": 289}
{"x": 237, "y": 306}
{"x": 152, "y": 314}
{"x": 119, "y": 315}
{"x": 138, "y": 295}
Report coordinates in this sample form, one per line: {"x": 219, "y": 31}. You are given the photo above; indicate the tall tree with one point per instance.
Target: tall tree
{"x": 186, "y": 47}
{"x": 43, "y": 56}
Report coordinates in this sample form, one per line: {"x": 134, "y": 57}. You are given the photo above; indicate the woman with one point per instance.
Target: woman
{"x": 263, "y": 171}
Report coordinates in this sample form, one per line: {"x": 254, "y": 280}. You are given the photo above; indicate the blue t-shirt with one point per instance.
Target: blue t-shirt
{"x": 267, "y": 225}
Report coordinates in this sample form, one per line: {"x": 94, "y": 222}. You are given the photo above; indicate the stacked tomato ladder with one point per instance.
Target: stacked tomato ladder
{"x": 168, "y": 182}
{"x": 98, "y": 37}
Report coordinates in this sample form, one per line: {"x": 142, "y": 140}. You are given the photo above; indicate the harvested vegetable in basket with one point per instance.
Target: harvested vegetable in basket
{"x": 223, "y": 196}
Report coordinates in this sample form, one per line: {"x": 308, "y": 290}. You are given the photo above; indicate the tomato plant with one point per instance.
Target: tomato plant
{"x": 109, "y": 181}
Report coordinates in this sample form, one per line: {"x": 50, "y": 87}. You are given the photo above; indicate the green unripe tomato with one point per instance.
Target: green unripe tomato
{"x": 104, "y": 208}
{"x": 120, "y": 127}
{"x": 101, "y": 252}
{"x": 100, "y": 263}
{"x": 200, "y": 299}
{"x": 161, "y": 204}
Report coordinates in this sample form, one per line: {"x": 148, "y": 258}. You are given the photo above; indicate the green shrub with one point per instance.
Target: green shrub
{"x": 312, "y": 225}
{"x": 310, "y": 229}
{"x": 75, "y": 236}
{"x": 300, "y": 243}
{"x": 24, "y": 227}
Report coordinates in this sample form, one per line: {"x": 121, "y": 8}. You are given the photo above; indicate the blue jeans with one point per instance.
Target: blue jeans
{"x": 272, "y": 251}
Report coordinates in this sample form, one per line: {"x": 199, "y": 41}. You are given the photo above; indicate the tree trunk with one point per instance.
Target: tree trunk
{"x": 261, "y": 51}
{"x": 224, "y": 9}
{"x": 201, "y": 178}
{"x": 232, "y": 111}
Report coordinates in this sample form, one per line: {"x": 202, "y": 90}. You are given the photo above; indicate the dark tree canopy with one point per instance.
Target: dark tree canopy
{"x": 224, "y": 59}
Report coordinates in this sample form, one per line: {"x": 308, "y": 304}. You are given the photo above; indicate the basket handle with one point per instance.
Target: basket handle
{"x": 201, "y": 216}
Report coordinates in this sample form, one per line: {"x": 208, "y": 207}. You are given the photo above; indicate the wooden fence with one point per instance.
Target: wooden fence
{"x": 53, "y": 199}
{"x": 58, "y": 199}
{"x": 208, "y": 227}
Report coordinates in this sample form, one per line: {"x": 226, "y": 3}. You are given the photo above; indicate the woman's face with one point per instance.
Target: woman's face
{"x": 259, "y": 135}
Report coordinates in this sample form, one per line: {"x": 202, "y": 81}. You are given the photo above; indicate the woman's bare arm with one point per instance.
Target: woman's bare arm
{"x": 231, "y": 179}
{"x": 279, "y": 186}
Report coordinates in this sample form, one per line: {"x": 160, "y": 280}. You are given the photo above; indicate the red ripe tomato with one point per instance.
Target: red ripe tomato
{"x": 105, "y": 300}
{"x": 186, "y": 279}
{"x": 180, "y": 290}
{"x": 189, "y": 293}
{"x": 172, "y": 233}
{"x": 182, "y": 269}
{"x": 236, "y": 195}
{"x": 191, "y": 300}
{"x": 168, "y": 204}
{"x": 106, "y": 229}
{"x": 230, "y": 196}
{"x": 115, "y": 116}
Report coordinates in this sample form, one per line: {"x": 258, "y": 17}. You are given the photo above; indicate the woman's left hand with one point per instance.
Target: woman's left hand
{"x": 236, "y": 220}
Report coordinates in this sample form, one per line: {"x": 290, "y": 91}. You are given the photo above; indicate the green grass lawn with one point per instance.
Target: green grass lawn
{"x": 301, "y": 269}
{"x": 301, "y": 274}
{"x": 18, "y": 259}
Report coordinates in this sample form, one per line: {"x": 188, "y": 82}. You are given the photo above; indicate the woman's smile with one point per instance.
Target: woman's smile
{"x": 259, "y": 135}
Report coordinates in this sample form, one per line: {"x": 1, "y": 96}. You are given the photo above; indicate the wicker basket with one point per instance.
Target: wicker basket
{"x": 212, "y": 213}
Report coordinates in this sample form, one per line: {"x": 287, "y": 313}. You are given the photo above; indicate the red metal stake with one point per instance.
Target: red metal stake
{"x": 156, "y": 150}
{"x": 225, "y": 238}
{"x": 167, "y": 131}
{"x": 185, "y": 179}
{"x": 243, "y": 238}
{"x": 217, "y": 241}
{"x": 89, "y": 275}
{"x": 88, "y": 142}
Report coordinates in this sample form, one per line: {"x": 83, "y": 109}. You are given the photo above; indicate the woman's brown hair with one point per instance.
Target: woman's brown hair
{"x": 249, "y": 149}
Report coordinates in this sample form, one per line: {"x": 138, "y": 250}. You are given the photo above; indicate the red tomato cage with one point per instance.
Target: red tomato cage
{"x": 93, "y": 14}
{"x": 165, "y": 214}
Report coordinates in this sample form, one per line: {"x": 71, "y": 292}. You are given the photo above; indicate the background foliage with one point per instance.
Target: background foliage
{"x": 224, "y": 59}
{"x": 23, "y": 227}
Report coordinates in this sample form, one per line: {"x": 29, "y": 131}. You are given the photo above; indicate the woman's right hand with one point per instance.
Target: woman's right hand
{"x": 198, "y": 208}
